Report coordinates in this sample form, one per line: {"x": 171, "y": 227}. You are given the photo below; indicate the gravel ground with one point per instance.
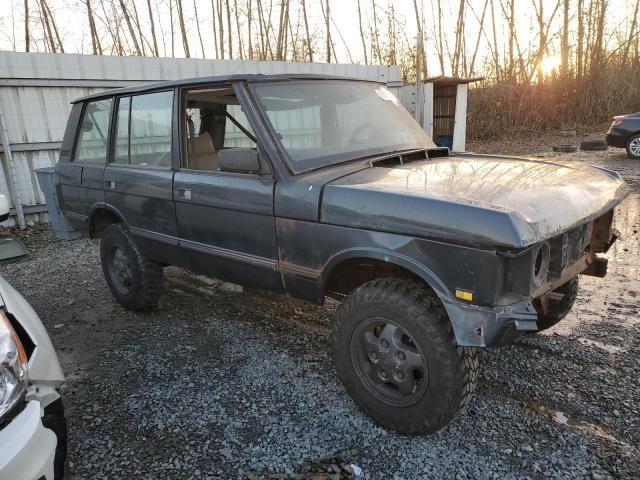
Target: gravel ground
{"x": 218, "y": 381}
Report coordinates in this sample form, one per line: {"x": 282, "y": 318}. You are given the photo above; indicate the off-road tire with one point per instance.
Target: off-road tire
{"x": 560, "y": 308}
{"x": 146, "y": 274}
{"x": 55, "y": 420}
{"x": 565, "y": 148}
{"x": 630, "y": 154}
{"x": 452, "y": 370}
{"x": 593, "y": 145}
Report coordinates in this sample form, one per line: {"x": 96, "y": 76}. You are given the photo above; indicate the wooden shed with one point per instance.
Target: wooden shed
{"x": 444, "y": 109}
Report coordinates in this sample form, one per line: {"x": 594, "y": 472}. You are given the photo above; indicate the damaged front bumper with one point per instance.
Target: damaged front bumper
{"x": 476, "y": 326}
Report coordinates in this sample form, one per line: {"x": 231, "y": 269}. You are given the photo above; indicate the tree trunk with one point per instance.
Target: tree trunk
{"x": 250, "y": 33}
{"x": 195, "y": 10}
{"x": 306, "y": 28}
{"x": 153, "y": 30}
{"x": 183, "y": 30}
{"x": 564, "y": 47}
{"x": 130, "y": 27}
{"x": 95, "y": 40}
{"x": 221, "y": 28}
{"x": 240, "y": 47}
{"x": 580, "y": 47}
{"x": 45, "y": 20}
{"x": 27, "y": 40}
{"x": 229, "y": 33}
{"x": 53, "y": 24}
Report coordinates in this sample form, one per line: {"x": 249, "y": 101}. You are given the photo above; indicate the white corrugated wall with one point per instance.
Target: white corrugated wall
{"x": 36, "y": 90}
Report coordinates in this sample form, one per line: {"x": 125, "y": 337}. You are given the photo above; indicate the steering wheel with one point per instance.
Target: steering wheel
{"x": 360, "y": 130}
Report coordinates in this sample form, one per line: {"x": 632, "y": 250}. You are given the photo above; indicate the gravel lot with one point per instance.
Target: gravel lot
{"x": 218, "y": 382}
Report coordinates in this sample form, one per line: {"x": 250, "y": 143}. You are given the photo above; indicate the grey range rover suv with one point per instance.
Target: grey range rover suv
{"x": 318, "y": 187}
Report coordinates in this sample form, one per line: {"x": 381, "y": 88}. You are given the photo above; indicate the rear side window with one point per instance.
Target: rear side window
{"x": 144, "y": 130}
{"x": 94, "y": 132}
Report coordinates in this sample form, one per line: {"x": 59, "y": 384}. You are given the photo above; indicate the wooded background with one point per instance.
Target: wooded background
{"x": 547, "y": 64}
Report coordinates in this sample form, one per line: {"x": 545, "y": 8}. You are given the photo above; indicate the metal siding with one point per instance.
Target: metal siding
{"x": 38, "y": 113}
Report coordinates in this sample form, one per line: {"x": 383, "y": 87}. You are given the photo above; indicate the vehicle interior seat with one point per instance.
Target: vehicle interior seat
{"x": 205, "y": 156}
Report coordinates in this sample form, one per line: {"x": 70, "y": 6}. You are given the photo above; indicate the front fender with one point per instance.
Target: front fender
{"x": 394, "y": 258}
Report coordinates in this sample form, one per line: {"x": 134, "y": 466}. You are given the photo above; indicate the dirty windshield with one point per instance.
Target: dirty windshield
{"x": 325, "y": 122}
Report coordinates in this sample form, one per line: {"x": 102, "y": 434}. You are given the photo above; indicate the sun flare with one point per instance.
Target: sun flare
{"x": 550, "y": 64}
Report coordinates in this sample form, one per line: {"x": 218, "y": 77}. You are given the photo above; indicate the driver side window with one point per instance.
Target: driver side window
{"x": 218, "y": 135}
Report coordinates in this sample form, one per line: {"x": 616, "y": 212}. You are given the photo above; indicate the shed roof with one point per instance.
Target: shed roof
{"x": 443, "y": 80}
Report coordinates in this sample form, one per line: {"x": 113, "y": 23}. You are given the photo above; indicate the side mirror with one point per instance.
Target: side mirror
{"x": 87, "y": 125}
{"x": 239, "y": 160}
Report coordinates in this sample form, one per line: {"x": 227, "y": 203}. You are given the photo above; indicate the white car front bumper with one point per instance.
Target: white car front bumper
{"x": 27, "y": 448}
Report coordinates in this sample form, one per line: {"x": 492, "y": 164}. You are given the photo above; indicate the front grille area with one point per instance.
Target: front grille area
{"x": 569, "y": 247}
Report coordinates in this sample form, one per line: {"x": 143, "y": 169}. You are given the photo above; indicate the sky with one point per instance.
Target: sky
{"x": 72, "y": 23}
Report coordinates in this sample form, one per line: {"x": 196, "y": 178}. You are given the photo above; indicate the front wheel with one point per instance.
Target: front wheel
{"x": 633, "y": 146}
{"x": 135, "y": 280}
{"x": 396, "y": 355}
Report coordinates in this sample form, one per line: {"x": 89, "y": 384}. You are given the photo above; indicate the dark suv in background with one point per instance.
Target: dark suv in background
{"x": 625, "y": 133}
{"x": 320, "y": 187}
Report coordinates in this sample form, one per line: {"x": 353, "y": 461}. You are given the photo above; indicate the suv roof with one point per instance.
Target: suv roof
{"x": 251, "y": 78}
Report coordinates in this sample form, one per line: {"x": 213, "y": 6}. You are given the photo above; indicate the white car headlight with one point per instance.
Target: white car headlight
{"x": 13, "y": 366}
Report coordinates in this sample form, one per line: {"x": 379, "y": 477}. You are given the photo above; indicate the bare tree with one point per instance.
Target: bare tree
{"x": 195, "y": 11}
{"x": 229, "y": 33}
{"x": 27, "y": 40}
{"x": 240, "y": 46}
{"x": 153, "y": 29}
{"x": 306, "y": 28}
{"x": 127, "y": 19}
{"x": 95, "y": 39}
{"x": 183, "y": 30}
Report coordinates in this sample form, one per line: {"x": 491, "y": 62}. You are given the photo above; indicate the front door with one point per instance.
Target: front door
{"x": 138, "y": 180}
{"x": 80, "y": 181}
{"x": 225, "y": 215}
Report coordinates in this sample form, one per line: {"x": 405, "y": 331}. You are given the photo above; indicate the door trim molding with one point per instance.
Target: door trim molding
{"x": 206, "y": 249}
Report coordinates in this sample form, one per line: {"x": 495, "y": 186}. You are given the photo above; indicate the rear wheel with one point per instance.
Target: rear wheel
{"x": 134, "y": 280}
{"x": 633, "y": 146}
{"x": 396, "y": 355}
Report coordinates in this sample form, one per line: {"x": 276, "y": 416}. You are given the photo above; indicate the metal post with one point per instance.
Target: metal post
{"x": 11, "y": 171}
{"x": 419, "y": 87}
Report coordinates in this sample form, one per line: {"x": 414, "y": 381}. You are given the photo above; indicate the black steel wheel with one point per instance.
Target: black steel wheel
{"x": 396, "y": 355}
{"x": 135, "y": 280}
{"x": 120, "y": 271}
{"x": 389, "y": 362}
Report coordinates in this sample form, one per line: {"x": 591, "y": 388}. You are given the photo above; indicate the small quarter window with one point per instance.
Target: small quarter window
{"x": 144, "y": 130}
{"x": 121, "y": 149}
{"x": 94, "y": 131}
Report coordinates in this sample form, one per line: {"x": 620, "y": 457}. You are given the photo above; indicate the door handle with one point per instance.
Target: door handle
{"x": 110, "y": 184}
{"x": 184, "y": 194}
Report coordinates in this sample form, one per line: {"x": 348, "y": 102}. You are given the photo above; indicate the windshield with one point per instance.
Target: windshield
{"x": 324, "y": 122}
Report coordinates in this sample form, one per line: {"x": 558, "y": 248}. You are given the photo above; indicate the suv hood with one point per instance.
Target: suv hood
{"x": 480, "y": 199}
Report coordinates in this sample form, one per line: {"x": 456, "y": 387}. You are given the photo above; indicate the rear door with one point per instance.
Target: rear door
{"x": 138, "y": 180}
{"x": 80, "y": 180}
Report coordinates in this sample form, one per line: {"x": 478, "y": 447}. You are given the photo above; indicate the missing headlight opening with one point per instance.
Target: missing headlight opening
{"x": 541, "y": 264}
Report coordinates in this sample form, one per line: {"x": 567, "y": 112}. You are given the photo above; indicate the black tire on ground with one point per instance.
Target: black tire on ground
{"x": 558, "y": 309}
{"x": 632, "y": 144}
{"x": 134, "y": 280}
{"x": 396, "y": 355}
{"x": 565, "y": 148}
{"x": 55, "y": 420}
{"x": 593, "y": 145}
